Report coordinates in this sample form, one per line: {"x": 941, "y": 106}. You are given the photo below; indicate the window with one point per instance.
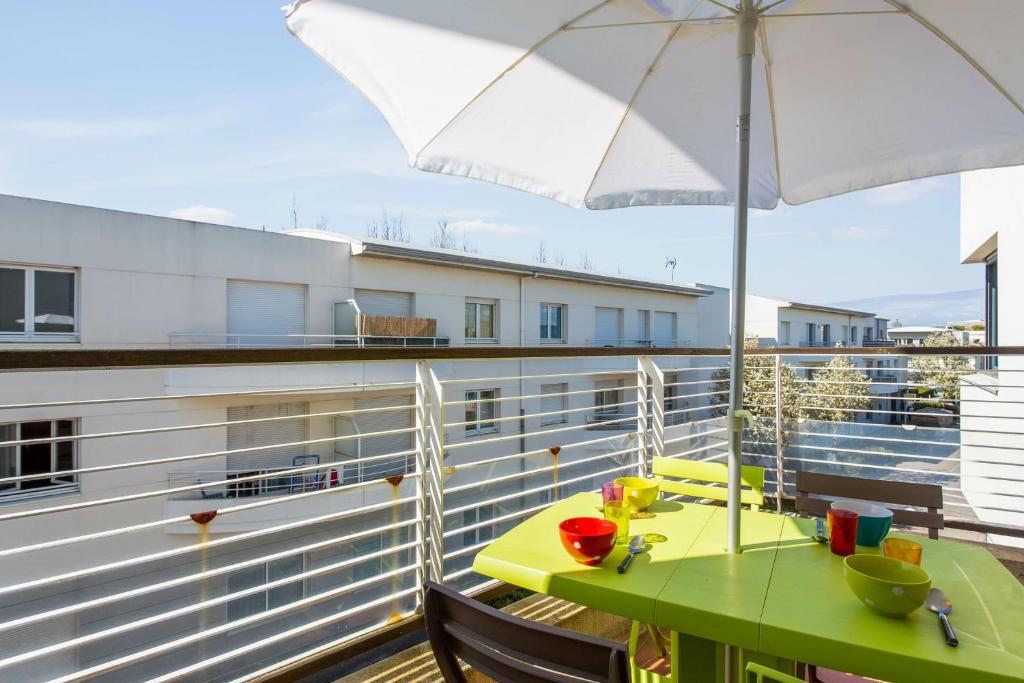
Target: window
{"x": 37, "y": 303}
{"x": 845, "y": 334}
{"x": 552, "y": 322}
{"x": 853, "y": 335}
{"x": 554, "y": 401}
{"x": 784, "y": 337}
{"x": 480, "y": 534}
{"x": 607, "y": 399}
{"x": 812, "y": 331}
{"x": 868, "y": 332}
{"x": 481, "y": 411}
{"x": 261, "y": 601}
{"x": 826, "y": 334}
{"x": 991, "y": 309}
{"x": 643, "y": 327}
{"x": 480, "y": 320}
{"x": 37, "y": 458}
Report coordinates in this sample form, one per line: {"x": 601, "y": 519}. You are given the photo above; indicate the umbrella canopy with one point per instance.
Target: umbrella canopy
{"x": 618, "y": 103}
{"x": 613, "y": 103}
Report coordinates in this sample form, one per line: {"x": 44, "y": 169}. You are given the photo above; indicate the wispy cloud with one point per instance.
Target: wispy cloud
{"x": 481, "y": 227}
{"x": 123, "y": 127}
{"x": 203, "y": 214}
{"x": 903, "y": 192}
{"x": 856, "y": 232}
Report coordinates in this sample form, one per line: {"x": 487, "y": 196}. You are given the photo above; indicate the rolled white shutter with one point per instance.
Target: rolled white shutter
{"x": 664, "y": 328}
{"x": 251, "y": 435}
{"x": 381, "y": 445}
{"x": 266, "y": 308}
{"x": 552, "y": 401}
{"x": 607, "y": 325}
{"x": 379, "y": 302}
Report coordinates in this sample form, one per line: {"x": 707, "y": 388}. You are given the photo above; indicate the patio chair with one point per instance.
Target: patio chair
{"x": 762, "y": 673}
{"x": 513, "y": 650}
{"x": 703, "y": 480}
{"x": 899, "y": 493}
{"x": 652, "y": 659}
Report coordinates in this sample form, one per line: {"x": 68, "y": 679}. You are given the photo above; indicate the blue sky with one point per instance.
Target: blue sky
{"x": 213, "y": 110}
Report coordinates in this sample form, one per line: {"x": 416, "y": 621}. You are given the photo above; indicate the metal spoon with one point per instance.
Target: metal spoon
{"x": 636, "y": 545}
{"x": 939, "y": 603}
{"x": 819, "y": 534}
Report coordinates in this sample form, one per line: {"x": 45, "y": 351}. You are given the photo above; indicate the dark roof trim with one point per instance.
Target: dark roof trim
{"x": 383, "y": 249}
{"x": 830, "y": 309}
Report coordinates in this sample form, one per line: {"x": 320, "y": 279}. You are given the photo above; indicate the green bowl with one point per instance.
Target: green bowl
{"x": 639, "y": 492}
{"x": 892, "y": 588}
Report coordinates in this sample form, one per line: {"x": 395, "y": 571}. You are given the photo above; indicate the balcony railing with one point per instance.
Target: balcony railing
{"x": 207, "y": 548}
{"x": 220, "y": 340}
{"x": 639, "y": 343}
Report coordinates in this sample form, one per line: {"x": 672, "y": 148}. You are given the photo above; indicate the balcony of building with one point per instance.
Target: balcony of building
{"x": 171, "y": 560}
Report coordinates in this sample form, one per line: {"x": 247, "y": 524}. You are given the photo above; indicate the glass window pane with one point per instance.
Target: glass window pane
{"x": 543, "y": 322}
{"x": 36, "y": 458}
{"x": 55, "y": 301}
{"x": 249, "y": 604}
{"x": 486, "y": 321}
{"x": 471, "y": 321}
{"x": 289, "y": 592}
{"x": 12, "y": 300}
{"x": 556, "y": 322}
{"x": 8, "y": 455}
{"x": 65, "y": 459}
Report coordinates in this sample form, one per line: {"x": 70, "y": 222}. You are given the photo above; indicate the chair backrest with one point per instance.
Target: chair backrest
{"x": 763, "y": 673}
{"x": 513, "y": 650}
{"x": 702, "y": 477}
{"x": 900, "y": 493}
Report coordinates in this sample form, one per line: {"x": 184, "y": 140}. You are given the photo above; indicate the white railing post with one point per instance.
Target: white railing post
{"x": 435, "y": 472}
{"x": 649, "y": 372}
{"x": 780, "y": 472}
{"x": 422, "y": 460}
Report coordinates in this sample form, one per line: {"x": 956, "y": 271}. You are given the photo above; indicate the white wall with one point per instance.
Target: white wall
{"x": 144, "y": 277}
{"x": 991, "y": 217}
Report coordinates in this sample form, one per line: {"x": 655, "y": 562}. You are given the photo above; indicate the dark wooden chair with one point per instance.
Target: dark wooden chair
{"x": 897, "y": 493}
{"x": 513, "y": 650}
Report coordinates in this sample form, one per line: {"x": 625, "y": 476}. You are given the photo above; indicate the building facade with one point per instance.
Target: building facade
{"x": 74, "y": 277}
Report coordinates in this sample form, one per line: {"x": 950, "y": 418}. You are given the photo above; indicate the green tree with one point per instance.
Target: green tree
{"x": 759, "y": 391}
{"x": 941, "y": 372}
{"x": 837, "y": 391}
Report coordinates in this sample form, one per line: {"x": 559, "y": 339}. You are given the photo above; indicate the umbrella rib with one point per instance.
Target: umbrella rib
{"x": 959, "y": 50}
{"x": 629, "y": 108}
{"x": 519, "y": 60}
{"x": 762, "y": 32}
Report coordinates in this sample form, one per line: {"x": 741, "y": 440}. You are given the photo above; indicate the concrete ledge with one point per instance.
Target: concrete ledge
{"x": 416, "y": 664}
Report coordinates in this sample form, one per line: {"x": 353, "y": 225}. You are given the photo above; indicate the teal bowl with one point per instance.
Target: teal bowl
{"x": 873, "y": 521}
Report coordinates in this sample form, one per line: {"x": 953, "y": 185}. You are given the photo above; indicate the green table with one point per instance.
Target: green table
{"x": 809, "y": 615}
{"x": 784, "y": 596}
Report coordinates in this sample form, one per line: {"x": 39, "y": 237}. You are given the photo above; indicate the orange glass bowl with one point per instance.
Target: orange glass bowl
{"x": 587, "y": 539}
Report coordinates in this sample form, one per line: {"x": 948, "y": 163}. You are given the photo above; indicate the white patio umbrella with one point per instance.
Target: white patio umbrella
{"x": 615, "y": 103}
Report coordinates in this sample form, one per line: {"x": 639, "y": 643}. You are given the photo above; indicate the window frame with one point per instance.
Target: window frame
{"x": 601, "y": 396}
{"x": 475, "y": 400}
{"x": 232, "y": 607}
{"x": 477, "y": 304}
{"x": 785, "y": 333}
{"x": 29, "y": 334}
{"x": 57, "y": 485}
{"x": 545, "y": 323}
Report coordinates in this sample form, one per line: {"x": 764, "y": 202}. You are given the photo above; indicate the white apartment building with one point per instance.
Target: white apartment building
{"x": 791, "y": 324}
{"x": 992, "y": 419}
{"x": 74, "y": 277}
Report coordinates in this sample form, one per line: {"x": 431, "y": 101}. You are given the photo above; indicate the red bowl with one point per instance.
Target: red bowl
{"x": 588, "y": 539}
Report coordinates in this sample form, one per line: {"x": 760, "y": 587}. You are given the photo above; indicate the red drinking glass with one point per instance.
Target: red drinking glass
{"x": 842, "y": 531}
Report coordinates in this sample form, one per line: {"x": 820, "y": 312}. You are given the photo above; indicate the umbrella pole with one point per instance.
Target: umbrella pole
{"x": 746, "y": 22}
